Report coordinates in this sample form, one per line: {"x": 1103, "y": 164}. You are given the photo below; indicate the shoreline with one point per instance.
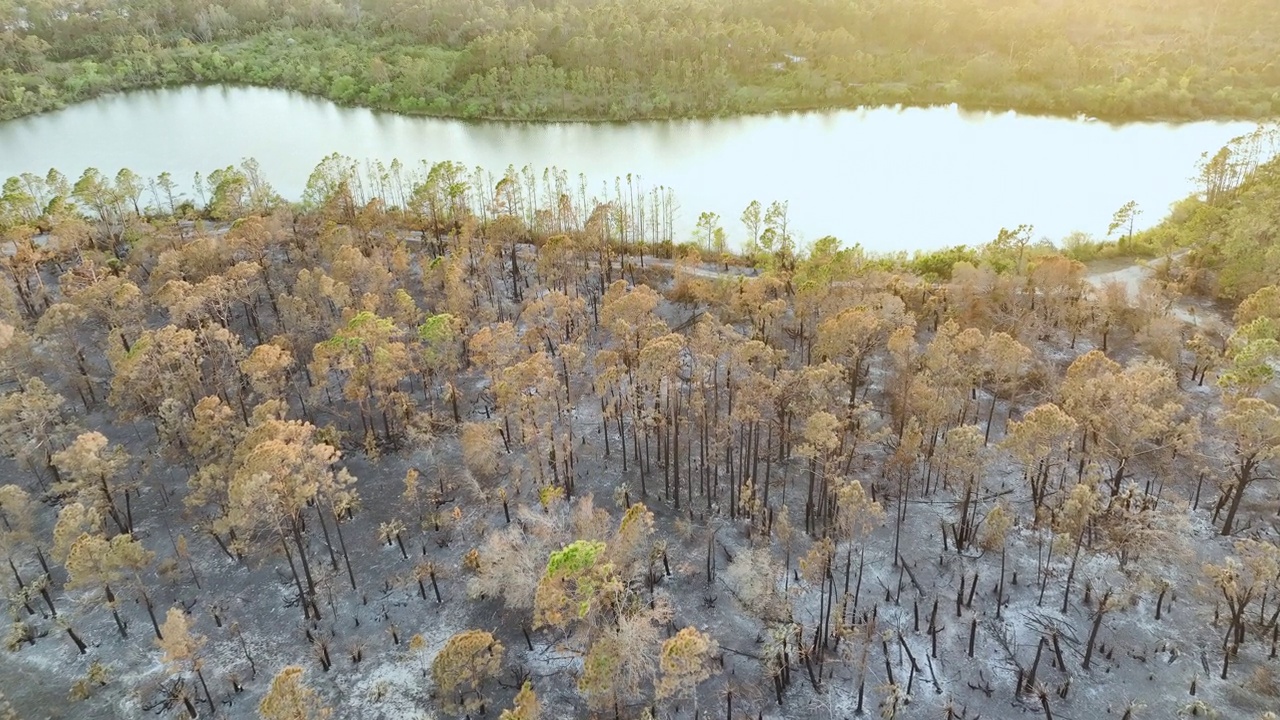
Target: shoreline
{"x": 799, "y": 108}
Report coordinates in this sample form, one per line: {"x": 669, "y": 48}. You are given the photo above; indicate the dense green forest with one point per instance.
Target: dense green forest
{"x": 621, "y": 59}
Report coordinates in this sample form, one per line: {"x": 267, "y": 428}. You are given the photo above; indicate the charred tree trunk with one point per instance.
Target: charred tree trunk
{"x": 1098, "y": 616}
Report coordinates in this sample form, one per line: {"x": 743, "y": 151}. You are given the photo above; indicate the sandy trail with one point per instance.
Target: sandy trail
{"x": 1130, "y": 274}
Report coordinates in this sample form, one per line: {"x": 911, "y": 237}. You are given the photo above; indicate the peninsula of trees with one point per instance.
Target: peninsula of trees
{"x": 618, "y": 59}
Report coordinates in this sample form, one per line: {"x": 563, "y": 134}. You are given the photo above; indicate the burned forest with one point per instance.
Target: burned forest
{"x": 442, "y": 444}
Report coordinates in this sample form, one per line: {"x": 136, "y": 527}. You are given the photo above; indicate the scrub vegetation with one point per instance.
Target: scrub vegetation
{"x": 618, "y": 60}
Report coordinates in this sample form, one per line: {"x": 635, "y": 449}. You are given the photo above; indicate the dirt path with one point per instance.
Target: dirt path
{"x": 1128, "y": 273}
{"x": 1200, "y": 312}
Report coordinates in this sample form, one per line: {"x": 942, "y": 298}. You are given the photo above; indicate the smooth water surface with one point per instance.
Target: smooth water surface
{"x": 891, "y": 179}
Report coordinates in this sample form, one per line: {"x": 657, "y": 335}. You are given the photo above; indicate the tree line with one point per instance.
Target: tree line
{"x": 608, "y": 59}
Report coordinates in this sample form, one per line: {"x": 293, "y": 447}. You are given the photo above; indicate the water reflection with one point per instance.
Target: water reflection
{"x": 890, "y": 178}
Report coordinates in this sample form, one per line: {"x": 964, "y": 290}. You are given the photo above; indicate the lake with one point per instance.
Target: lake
{"x": 888, "y": 178}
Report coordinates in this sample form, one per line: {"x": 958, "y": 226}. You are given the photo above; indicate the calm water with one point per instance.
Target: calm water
{"x": 887, "y": 178}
